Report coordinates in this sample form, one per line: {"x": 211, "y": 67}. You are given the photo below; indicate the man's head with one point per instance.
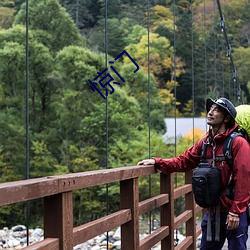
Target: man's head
{"x": 226, "y": 107}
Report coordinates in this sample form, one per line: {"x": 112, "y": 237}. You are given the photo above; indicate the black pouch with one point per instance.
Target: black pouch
{"x": 206, "y": 183}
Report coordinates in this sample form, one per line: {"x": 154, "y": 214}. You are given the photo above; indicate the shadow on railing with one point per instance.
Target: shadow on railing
{"x": 56, "y": 192}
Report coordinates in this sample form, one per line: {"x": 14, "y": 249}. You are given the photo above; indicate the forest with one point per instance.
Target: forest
{"x": 176, "y": 56}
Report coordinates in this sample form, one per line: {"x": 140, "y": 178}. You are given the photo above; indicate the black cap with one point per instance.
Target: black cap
{"x": 223, "y": 103}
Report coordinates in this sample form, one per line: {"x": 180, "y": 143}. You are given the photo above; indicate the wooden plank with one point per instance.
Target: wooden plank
{"x": 152, "y": 203}
{"x": 99, "y": 177}
{"x": 24, "y": 190}
{"x": 46, "y": 244}
{"x": 190, "y": 205}
{"x": 167, "y": 210}
{"x": 182, "y": 218}
{"x": 90, "y": 230}
{"x": 178, "y": 192}
{"x": 129, "y": 195}
{"x": 198, "y": 209}
{"x": 154, "y": 238}
{"x": 185, "y": 244}
{"x": 198, "y": 231}
{"x": 58, "y": 219}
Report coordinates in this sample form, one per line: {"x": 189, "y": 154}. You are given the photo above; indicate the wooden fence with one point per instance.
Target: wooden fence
{"x": 59, "y": 232}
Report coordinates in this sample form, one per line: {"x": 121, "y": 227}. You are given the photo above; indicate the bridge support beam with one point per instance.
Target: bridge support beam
{"x": 167, "y": 210}
{"x": 190, "y": 205}
{"x": 129, "y": 192}
{"x": 58, "y": 219}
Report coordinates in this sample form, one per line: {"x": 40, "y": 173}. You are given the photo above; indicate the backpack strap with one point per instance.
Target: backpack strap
{"x": 227, "y": 148}
{"x": 227, "y": 151}
{"x": 203, "y": 152}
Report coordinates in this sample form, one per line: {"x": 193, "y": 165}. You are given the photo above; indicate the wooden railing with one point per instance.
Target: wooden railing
{"x": 59, "y": 232}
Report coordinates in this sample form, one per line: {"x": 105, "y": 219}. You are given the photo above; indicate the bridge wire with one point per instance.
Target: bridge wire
{"x": 229, "y": 55}
{"x": 192, "y": 73}
{"x": 222, "y": 68}
{"x": 149, "y": 120}
{"x": 205, "y": 48}
{"x": 27, "y": 206}
{"x": 175, "y": 94}
{"x": 215, "y": 52}
{"x": 107, "y": 111}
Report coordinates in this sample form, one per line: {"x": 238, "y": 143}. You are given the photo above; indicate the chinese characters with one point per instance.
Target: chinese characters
{"x": 105, "y": 79}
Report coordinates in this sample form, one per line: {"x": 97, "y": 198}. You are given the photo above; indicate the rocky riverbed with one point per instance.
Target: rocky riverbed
{"x": 16, "y": 238}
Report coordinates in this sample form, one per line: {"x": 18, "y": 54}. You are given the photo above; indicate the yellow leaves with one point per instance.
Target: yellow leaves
{"x": 195, "y": 134}
{"x": 166, "y": 96}
{"x": 188, "y": 107}
{"x": 161, "y": 16}
{"x": 160, "y": 53}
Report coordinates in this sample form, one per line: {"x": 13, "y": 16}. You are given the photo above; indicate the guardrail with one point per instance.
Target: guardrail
{"x": 59, "y": 232}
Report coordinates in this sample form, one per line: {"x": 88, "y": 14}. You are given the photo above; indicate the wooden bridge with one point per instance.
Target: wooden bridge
{"x": 56, "y": 192}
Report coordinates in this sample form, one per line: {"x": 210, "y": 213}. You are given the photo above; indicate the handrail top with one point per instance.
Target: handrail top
{"x": 23, "y": 190}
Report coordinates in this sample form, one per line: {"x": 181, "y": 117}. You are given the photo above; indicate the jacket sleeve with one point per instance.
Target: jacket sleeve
{"x": 241, "y": 175}
{"x": 185, "y": 162}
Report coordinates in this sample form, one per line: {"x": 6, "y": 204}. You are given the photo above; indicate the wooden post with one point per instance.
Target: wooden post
{"x": 167, "y": 210}
{"x": 129, "y": 198}
{"x": 190, "y": 205}
{"x": 58, "y": 219}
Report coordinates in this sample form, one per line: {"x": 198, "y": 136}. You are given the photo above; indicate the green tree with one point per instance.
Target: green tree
{"x": 53, "y": 25}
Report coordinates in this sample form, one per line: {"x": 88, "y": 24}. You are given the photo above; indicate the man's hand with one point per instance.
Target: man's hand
{"x": 232, "y": 221}
{"x": 146, "y": 162}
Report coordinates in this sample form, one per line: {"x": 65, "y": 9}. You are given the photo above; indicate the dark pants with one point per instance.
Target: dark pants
{"x": 237, "y": 238}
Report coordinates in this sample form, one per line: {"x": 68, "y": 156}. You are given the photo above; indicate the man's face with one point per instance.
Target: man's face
{"x": 215, "y": 116}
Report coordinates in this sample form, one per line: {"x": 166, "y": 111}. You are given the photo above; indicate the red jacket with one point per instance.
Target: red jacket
{"x": 241, "y": 167}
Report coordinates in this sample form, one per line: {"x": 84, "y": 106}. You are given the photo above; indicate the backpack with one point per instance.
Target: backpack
{"x": 243, "y": 120}
{"x": 206, "y": 179}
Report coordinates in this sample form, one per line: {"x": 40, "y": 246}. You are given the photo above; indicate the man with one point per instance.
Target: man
{"x": 221, "y": 115}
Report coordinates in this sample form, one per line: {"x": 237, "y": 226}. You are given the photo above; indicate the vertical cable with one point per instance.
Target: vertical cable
{"x": 236, "y": 86}
{"x": 149, "y": 121}
{"x": 27, "y": 207}
{"x": 107, "y": 124}
{"x": 174, "y": 76}
{"x": 229, "y": 84}
{"x": 215, "y": 51}
{"x": 192, "y": 77}
{"x": 175, "y": 95}
{"x": 205, "y": 50}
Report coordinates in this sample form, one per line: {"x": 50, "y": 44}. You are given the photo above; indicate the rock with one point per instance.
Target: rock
{"x": 100, "y": 238}
{"x": 13, "y": 243}
{"x": 117, "y": 245}
{"x": 95, "y": 248}
{"x": 18, "y": 228}
{"x": 117, "y": 234}
{"x": 38, "y": 232}
{"x": 111, "y": 239}
{"x": 3, "y": 233}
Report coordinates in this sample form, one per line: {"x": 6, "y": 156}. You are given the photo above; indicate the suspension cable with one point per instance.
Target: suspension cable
{"x": 205, "y": 50}
{"x": 192, "y": 74}
{"x": 229, "y": 53}
{"x": 27, "y": 207}
{"x": 175, "y": 95}
{"x": 215, "y": 52}
{"x": 149, "y": 120}
{"x": 107, "y": 111}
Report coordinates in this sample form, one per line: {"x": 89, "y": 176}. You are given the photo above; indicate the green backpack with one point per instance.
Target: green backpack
{"x": 243, "y": 120}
